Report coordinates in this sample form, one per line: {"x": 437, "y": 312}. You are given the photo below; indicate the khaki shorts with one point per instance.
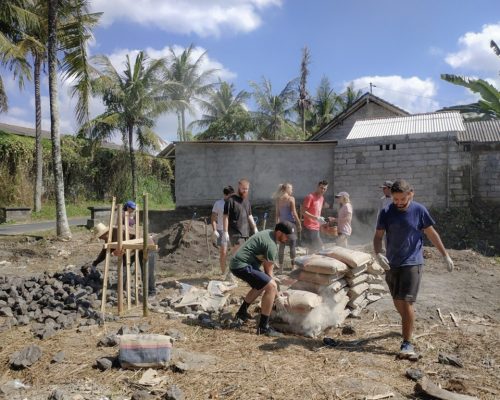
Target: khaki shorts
{"x": 404, "y": 282}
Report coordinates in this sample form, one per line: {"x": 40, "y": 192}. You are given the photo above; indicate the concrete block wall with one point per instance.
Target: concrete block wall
{"x": 203, "y": 169}
{"x": 362, "y": 165}
{"x": 486, "y": 171}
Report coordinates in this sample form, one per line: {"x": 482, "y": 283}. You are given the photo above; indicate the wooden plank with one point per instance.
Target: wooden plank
{"x": 120, "y": 262}
{"x": 137, "y": 274}
{"x": 145, "y": 266}
{"x": 106, "y": 263}
{"x": 132, "y": 244}
{"x": 434, "y": 390}
{"x": 127, "y": 261}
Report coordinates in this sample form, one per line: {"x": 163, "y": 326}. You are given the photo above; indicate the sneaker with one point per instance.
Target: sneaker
{"x": 243, "y": 316}
{"x": 407, "y": 350}
{"x": 268, "y": 331}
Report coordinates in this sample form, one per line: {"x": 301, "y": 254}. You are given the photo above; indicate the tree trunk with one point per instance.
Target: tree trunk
{"x": 183, "y": 119}
{"x": 63, "y": 231}
{"x": 303, "y": 116}
{"x": 132, "y": 161}
{"x": 37, "y": 200}
{"x": 179, "y": 127}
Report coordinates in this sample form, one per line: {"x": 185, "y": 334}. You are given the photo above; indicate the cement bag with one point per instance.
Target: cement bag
{"x": 321, "y": 279}
{"x": 144, "y": 351}
{"x": 352, "y": 258}
{"x": 325, "y": 265}
{"x": 299, "y": 301}
{"x": 354, "y": 303}
{"x": 357, "y": 290}
{"x": 356, "y": 312}
{"x": 338, "y": 297}
{"x": 357, "y": 271}
{"x": 323, "y": 290}
{"x": 371, "y": 297}
{"x": 375, "y": 268}
{"x": 377, "y": 288}
{"x": 374, "y": 278}
{"x": 357, "y": 280}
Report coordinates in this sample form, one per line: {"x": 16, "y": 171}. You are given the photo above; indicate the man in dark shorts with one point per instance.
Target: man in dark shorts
{"x": 312, "y": 206}
{"x": 261, "y": 249}
{"x": 238, "y": 217}
{"x": 404, "y": 222}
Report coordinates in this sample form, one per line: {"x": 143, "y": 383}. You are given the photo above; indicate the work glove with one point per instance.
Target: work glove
{"x": 383, "y": 261}
{"x": 321, "y": 220}
{"x": 225, "y": 237}
{"x": 215, "y": 235}
{"x": 449, "y": 263}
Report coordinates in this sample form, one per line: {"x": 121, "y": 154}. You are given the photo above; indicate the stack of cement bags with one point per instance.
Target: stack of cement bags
{"x": 333, "y": 284}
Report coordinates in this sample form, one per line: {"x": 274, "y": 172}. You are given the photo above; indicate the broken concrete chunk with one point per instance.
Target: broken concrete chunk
{"x": 104, "y": 363}
{"x": 414, "y": 374}
{"x": 450, "y": 359}
{"x": 58, "y": 357}
{"x": 141, "y": 395}
{"x": 174, "y": 393}
{"x": 25, "y": 357}
{"x": 57, "y": 394}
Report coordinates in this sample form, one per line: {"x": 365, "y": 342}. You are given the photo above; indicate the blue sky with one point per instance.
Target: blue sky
{"x": 400, "y": 46}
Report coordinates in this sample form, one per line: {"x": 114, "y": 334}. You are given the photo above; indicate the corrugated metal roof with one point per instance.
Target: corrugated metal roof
{"x": 413, "y": 124}
{"x": 481, "y": 131}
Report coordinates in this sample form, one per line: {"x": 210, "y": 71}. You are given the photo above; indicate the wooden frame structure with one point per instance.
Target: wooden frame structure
{"x": 128, "y": 245}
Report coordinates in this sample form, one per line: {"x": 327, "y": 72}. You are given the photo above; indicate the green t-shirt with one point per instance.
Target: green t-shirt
{"x": 255, "y": 250}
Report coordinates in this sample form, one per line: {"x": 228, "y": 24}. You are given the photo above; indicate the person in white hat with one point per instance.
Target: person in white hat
{"x": 101, "y": 231}
{"x": 386, "y": 199}
{"x": 344, "y": 218}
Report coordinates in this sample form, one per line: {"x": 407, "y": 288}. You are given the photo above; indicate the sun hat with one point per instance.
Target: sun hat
{"x": 387, "y": 184}
{"x": 100, "y": 229}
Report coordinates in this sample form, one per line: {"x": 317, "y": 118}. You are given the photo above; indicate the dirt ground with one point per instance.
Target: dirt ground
{"x": 247, "y": 366}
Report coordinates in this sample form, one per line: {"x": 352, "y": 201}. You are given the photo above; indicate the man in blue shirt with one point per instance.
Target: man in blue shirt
{"x": 404, "y": 222}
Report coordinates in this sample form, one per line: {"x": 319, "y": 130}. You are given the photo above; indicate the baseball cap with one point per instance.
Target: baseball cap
{"x": 342, "y": 194}
{"x": 387, "y": 184}
{"x": 130, "y": 204}
{"x": 287, "y": 228}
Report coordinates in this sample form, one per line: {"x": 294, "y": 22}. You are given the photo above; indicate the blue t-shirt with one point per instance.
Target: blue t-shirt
{"x": 404, "y": 233}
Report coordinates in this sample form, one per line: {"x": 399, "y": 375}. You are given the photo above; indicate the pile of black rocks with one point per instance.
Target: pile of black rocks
{"x": 52, "y": 301}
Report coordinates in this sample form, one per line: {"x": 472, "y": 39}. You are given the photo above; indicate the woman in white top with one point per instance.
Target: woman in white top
{"x": 344, "y": 218}
{"x": 286, "y": 211}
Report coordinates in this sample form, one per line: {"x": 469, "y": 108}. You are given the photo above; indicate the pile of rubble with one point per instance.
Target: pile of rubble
{"x": 51, "y": 301}
{"x": 331, "y": 285}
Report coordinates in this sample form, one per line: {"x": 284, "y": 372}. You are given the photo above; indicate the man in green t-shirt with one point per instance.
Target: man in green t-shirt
{"x": 261, "y": 249}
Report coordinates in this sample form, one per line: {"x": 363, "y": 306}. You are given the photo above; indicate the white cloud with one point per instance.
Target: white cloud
{"x": 413, "y": 94}
{"x": 475, "y": 52}
{"x": 202, "y": 17}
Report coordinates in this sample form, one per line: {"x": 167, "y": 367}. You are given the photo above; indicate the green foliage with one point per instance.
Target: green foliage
{"x": 88, "y": 176}
{"x": 232, "y": 126}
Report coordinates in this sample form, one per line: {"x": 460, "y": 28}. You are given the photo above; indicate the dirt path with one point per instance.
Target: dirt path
{"x": 247, "y": 366}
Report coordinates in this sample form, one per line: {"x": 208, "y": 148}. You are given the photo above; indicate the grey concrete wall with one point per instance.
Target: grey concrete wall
{"x": 361, "y": 166}
{"x": 203, "y": 169}
{"x": 485, "y": 174}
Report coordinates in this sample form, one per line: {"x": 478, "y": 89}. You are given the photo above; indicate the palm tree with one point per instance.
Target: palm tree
{"x": 304, "y": 101}
{"x": 28, "y": 45}
{"x": 133, "y": 101}
{"x": 325, "y": 104}
{"x": 274, "y": 116}
{"x": 192, "y": 83}
{"x": 348, "y": 98}
{"x": 62, "y": 225}
{"x": 226, "y": 116}
{"x": 489, "y": 103}
{"x": 14, "y": 19}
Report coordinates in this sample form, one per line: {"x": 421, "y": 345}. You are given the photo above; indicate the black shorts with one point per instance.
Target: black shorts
{"x": 256, "y": 278}
{"x": 237, "y": 240}
{"x": 404, "y": 282}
